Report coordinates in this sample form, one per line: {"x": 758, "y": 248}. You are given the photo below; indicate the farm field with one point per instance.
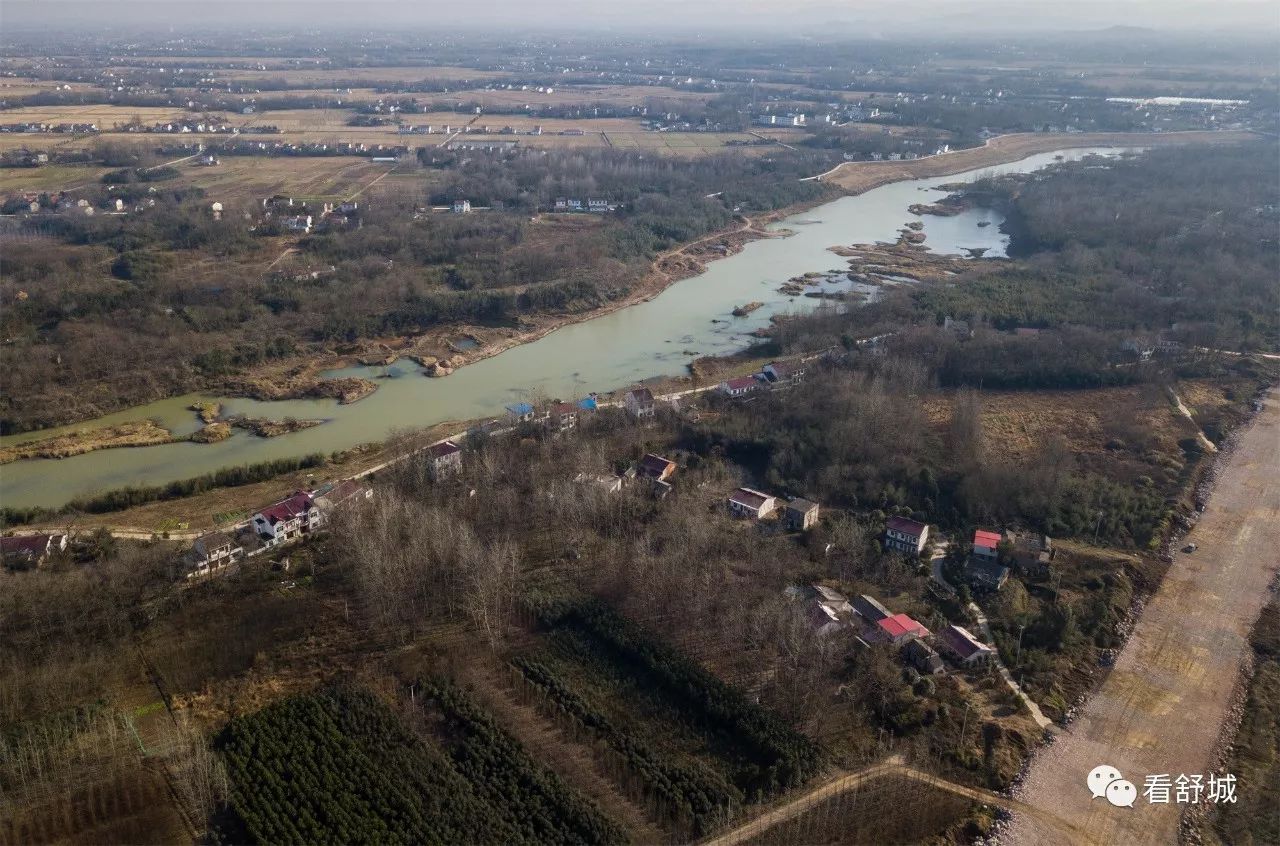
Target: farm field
{"x": 376, "y": 777}
{"x": 698, "y": 747}
{"x": 244, "y": 178}
{"x": 330, "y": 77}
{"x": 53, "y": 177}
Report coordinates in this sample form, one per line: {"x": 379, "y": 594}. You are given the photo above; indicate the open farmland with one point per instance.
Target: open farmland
{"x": 250, "y": 179}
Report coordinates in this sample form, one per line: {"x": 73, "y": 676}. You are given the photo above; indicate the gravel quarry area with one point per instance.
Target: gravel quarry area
{"x": 1162, "y": 708}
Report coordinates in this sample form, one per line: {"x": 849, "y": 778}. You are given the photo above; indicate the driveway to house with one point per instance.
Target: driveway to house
{"x": 1164, "y": 705}
{"x": 1036, "y": 714}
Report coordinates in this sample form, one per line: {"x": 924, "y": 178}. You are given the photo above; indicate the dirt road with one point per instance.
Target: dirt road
{"x": 894, "y": 766}
{"x": 1161, "y": 709}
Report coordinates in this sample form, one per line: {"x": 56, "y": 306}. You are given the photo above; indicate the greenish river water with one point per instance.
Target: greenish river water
{"x": 654, "y": 338}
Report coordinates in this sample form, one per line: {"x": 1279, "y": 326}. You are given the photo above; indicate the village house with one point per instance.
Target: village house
{"x": 521, "y": 412}
{"x": 1033, "y": 554}
{"x": 801, "y": 514}
{"x": 823, "y": 618}
{"x": 738, "y": 387}
{"x": 1142, "y": 348}
{"x": 655, "y": 467}
{"x": 983, "y": 568}
{"x": 640, "y": 403}
{"x": 288, "y": 519}
{"x": 31, "y": 550}
{"x": 297, "y": 223}
{"x": 826, "y": 609}
{"x": 444, "y": 460}
{"x": 959, "y": 328}
{"x": 564, "y": 416}
{"x": 784, "y": 373}
{"x": 461, "y": 206}
{"x": 342, "y": 495}
{"x": 923, "y": 657}
{"x": 985, "y": 544}
{"x": 902, "y": 534}
{"x": 870, "y": 609}
{"x": 745, "y": 502}
{"x": 212, "y": 553}
{"x": 899, "y": 629}
{"x": 1166, "y": 345}
{"x": 957, "y": 642}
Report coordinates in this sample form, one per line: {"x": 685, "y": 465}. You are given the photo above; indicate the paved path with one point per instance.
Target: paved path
{"x": 1162, "y": 708}
{"x": 1036, "y": 714}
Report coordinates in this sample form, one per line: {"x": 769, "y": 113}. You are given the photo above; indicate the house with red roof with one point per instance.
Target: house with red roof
{"x": 738, "y": 387}
{"x": 904, "y": 535}
{"x": 745, "y": 502}
{"x": 983, "y": 569}
{"x": 899, "y": 628}
{"x": 288, "y": 519}
{"x": 985, "y": 543}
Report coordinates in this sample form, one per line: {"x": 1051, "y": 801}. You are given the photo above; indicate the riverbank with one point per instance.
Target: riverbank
{"x": 857, "y": 177}
{"x": 684, "y": 261}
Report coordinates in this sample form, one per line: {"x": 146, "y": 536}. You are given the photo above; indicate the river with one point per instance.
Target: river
{"x": 654, "y": 338}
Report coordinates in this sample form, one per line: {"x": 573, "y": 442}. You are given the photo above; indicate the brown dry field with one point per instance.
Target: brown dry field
{"x": 105, "y": 116}
{"x": 621, "y": 95}
{"x": 253, "y": 177}
{"x": 856, "y": 177}
{"x": 1164, "y": 705}
{"x": 48, "y": 178}
{"x": 329, "y": 77}
{"x": 1017, "y": 423}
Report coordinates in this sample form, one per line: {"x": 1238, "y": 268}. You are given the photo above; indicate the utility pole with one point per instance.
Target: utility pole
{"x": 1017, "y": 658}
{"x": 965, "y": 724}
{"x": 1097, "y": 528}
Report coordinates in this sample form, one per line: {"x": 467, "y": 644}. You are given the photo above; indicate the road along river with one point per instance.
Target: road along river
{"x": 1161, "y": 710}
{"x": 657, "y": 337}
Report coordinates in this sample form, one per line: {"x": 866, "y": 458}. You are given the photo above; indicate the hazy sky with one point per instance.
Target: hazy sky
{"x": 833, "y": 17}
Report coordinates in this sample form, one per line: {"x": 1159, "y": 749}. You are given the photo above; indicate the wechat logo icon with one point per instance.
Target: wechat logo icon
{"x": 1106, "y": 781}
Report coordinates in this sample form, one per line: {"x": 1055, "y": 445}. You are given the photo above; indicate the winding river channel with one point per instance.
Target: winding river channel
{"x": 659, "y": 337}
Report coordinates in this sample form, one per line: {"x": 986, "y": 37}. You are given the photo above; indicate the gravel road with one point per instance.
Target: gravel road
{"x": 1162, "y": 707}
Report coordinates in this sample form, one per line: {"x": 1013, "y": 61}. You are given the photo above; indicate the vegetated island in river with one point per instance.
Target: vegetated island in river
{"x": 265, "y": 428}
{"x": 138, "y": 433}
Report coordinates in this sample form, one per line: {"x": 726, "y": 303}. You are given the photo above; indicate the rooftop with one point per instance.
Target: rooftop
{"x": 984, "y": 538}
{"x": 962, "y": 642}
{"x": 443, "y": 449}
{"x": 905, "y": 525}
{"x": 901, "y": 624}
{"x": 749, "y": 498}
